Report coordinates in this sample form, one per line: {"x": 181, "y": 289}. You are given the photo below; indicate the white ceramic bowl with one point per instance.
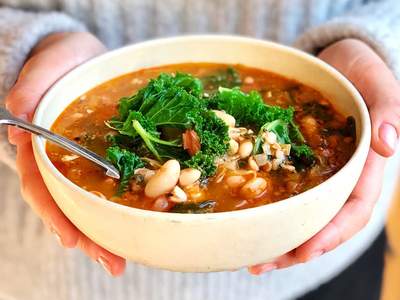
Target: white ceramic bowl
{"x": 209, "y": 242}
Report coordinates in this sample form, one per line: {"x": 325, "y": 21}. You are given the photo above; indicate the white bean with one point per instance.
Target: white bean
{"x": 234, "y": 133}
{"x": 235, "y": 181}
{"x": 248, "y": 80}
{"x": 253, "y": 188}
{"x": 164, "y": 180}
{"x": 177, "y": 195}
{"x": 289, "y": 168}
{"x": 252, "y": 164}
{"x": 276, "y": 164}
{"x": 189, "y": 176}
{"x": 245, "y": 148}
{"x": 233, "y": 147}
{"x": 227, "y": 118}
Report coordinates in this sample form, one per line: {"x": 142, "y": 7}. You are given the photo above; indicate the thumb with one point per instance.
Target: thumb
{"x": 378, "y": 86}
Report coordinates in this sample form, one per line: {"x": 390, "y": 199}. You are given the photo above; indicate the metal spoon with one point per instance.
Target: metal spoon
{"x": 7, "y": 119}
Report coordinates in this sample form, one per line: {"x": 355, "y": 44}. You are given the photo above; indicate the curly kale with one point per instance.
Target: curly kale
{"x": 212, "y": 131}
{"x": 171, "y": 102}
{"x": 204, "y": 162}
{"x": 126, "y": 162}
{"x": 248, "y": 108}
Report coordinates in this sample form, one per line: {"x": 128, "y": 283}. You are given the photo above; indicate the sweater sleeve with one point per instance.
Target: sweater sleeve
{"x": 377, "y": 24}
{"x": 20, "y": 31}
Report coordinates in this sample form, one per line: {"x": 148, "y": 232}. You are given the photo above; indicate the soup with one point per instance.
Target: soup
{"x": 202, "y": 137}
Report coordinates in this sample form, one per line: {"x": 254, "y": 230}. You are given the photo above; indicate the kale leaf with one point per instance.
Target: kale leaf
{"x": 204, "y": 162}
{"x": 212, "y": 131}
{"x": 171, "y": 102}
{"x": 126, "y": 162}
{"x": 164, "y": 102}
{"x": 248, "y": 109}
{"x": 160, "y": 91}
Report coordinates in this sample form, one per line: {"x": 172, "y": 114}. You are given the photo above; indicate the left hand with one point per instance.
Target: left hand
{"x": 381, "y": 92}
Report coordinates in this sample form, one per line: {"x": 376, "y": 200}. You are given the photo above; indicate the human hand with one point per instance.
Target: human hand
{"x": 380, "y": 90}
{"x": 52, "y": 57}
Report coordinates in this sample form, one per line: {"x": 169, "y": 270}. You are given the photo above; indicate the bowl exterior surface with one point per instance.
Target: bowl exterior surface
{"x": 212, "y": 242}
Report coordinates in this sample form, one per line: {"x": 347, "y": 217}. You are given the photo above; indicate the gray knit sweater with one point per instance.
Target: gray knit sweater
{"x": 34, "y": 267}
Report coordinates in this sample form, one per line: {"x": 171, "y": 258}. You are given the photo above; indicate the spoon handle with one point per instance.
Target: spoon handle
{"x": 7, "y": 119}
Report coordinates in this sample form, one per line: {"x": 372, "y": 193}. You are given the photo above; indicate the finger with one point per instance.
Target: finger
{"x": 378, "y": 86}
{"x": 36, "y": 194}
{"x": 41, "y": 71}
{"x": 281, "y": 262}
{"x": 17, "y": 136}
{"x": 352, "y": 217}
{"x": 113, "y": 264}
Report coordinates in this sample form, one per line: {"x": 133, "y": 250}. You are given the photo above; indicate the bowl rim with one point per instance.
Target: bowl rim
{"x": 39, "y": 146}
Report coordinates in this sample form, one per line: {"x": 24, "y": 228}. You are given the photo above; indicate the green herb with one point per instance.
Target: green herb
{"x": 214, "y": 139}
{"x": 126, "y": 162}
{"x": 248, "y": 109}
{"x": 228, "y": 77}
{"x": 204, "y": 162}
{"x": 212, "y": 131}
{"x": 302, "y": 156}
{"x": 166, "y": 89}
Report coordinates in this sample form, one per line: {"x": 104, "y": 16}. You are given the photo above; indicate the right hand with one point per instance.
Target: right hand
{"x": 54, "y": 56}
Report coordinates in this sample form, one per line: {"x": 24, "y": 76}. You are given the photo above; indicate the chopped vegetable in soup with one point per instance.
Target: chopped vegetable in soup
{"x": 202, "y": 138}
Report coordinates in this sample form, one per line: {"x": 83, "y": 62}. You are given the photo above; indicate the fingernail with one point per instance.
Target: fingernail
{"x": 105, "y": 264}
{"x": 258, "y": 270}
{"x": 388, "y": 134}
{"x": 316, "y": 254}
{"x": 268, "y": 267}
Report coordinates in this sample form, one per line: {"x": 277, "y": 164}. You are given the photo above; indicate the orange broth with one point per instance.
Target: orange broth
{"x": 322, "y": 126}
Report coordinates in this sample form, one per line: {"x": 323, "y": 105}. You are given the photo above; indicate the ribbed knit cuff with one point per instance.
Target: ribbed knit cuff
{"x": 376, "y": 24}
{"x": 20, "y": 31}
